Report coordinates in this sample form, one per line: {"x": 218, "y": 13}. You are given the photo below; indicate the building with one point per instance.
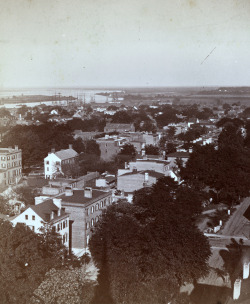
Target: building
{"x": 62, "y": 162}
{"x": 84, "y": 207}
{"x": 110, "y": 146}
{"x": 157, "y": 165}
{"x": 118, "y": 127}
{"x": 10, "y": 166}
{"x": 131, "y": 181}
{"x": 48, "y": 212}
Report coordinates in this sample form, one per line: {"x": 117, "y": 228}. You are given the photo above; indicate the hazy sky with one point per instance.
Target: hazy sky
{"x": 124, "y": 43}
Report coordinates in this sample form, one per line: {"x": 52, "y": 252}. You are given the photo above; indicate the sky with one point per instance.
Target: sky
{"x": 118, "y": 43}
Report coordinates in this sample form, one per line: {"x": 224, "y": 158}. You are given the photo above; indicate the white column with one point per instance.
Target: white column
{"x": 237, "y": 287}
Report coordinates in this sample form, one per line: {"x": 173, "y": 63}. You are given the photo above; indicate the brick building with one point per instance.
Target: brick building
{"x": 84, "y": 207}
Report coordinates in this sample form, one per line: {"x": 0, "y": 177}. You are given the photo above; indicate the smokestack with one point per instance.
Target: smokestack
{"x": 245, "y": 271}
{"x": 88, "y": 192}
{"x": 237, "y": 287}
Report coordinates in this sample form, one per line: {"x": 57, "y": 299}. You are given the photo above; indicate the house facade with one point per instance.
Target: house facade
{"x": 10, "y": 166}
{"x": 60, "y": 163}
{"x": 48, "y": 212}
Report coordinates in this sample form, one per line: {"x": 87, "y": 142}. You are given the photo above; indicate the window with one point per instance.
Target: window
{"x": 92, "y": 222}
{"x": 63, "y": 224}
{"x": 87, "y": 211}
{"x": 47, "y": 162}
{"x": 8, "y": 157}
{"x": 26, "y": 217}
{"x": 53, "y": 229}
{"x": 66, "y": 223}
{"x": 97, "y": 219}
{"x": 33, "y": 217}
{"x": 105, "y": 202}
{"x": 66, "y": 237}
{"x": 3, "y": 165}
{"x": 87, "y": 225}
{"x": 96, "y": 207}
{"x": 101, "y": 204}
{"x": 58, "y": 227}
{"x": 47, "y": 168}
{"x": 92, "y": 209}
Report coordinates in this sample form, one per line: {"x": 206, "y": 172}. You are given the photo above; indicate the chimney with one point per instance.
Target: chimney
{"x": 88, "y": 192}
{"x": 57, "y": 202}
{"x": 68, "y": 191}
{"x": 52, "y": 215}
{"x": 245, "y": 271}
{"x": 70, "y": 147}
{"x": 16, "y": 148}
{"x": 146, "y": 177}
{"x": 126, "y": 165}
{"x": 143, "y": 152}
{"x": 53, "y": 150}
{"x": 237, "y": 287}
{"x": 106, "y": 136}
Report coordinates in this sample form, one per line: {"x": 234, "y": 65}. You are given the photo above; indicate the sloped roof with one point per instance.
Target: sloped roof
{"x": 66, "y": 154}
{"x": 44, "y": 210}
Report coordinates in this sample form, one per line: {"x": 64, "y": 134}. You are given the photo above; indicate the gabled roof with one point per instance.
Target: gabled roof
{"x": 66, "y": 154}
{"x": 44, "y": 210}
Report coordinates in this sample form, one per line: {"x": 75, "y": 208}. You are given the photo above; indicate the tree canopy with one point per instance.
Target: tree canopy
{"x": 148, "y": 249}
{"x": 25, "y": 257}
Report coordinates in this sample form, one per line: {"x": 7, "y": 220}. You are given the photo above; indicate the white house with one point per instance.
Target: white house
{"x": 55, "y": 161}
{"x": 48, "y": 212}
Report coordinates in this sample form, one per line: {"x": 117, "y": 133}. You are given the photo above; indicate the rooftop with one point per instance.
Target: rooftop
{"x": 179, "y": 154}
{"x": 79, "y": 198}
{"x": 44, "y": 210}
{"x": 66, "y": 154}
{"x": 150, "y": 173}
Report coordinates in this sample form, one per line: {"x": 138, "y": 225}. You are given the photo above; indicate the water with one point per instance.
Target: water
{"x": 87, "y": 94}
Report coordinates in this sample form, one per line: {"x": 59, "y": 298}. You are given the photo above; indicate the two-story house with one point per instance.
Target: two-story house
{"x": 10, "y": 166}
{"x": 48, "y": 212}
{"x": 60, "y": 163}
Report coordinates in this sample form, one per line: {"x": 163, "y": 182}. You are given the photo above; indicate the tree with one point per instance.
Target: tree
{"x": 129, "y": 150}
{"x": 70, "y": 285}
{"x": 143, "y": 244}
{"x": 171, "y": 132}
{"x": 151, "y": 150}
{"x": 25, "y": 257}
